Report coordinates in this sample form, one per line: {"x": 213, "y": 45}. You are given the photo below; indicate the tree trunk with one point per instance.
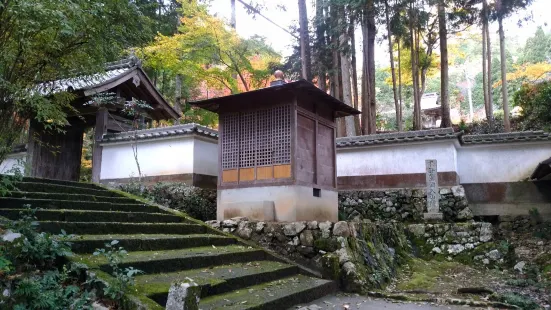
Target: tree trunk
{"x": 506, "y": 123}
{"x": 489, "y": 70}
{"x": 365, "y": 78}
{"x": 351, "y": 35}
{"x": 392, "y": 70}
{"x": 414, "y": 75}
{"x": 320, "y": 34}
{"x": 233, "y": 19}
{"x": 444, "y": 78}
{"x": 400, "y": 124}
{"x": 372, "y": 31}
{"x": 304, "y": 41}
{"x": 178, "y": 96}
{"x": 345, "y": 71}
{"x": 484, "y": 68}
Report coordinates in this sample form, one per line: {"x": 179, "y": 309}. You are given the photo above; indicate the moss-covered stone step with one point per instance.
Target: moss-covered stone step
{"x": 60, "y": 182}
{"x": 216, "y": 280}
{"x": 278, "y": 294}
{"x": 101, "y": 228}
{"x": 56, "y": 188}
{"x": 72, "y": 197}
{"x": 95, "y": 216}
{"x": 19, "y": 203}
{"x": 183, "y": 259}
{"x": 149, "y": 242}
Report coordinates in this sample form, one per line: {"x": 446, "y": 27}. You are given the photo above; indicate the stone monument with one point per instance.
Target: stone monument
{"x": 433, "y": 195}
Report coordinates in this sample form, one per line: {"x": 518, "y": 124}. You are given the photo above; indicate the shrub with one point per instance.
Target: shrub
{"x": 123, "y": 278}
{"x": 535, "y": 101}
{"x": 197, "y": 202}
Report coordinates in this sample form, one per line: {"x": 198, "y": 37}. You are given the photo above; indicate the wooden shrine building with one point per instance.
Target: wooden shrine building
{"x": 57, "y": 155}
{"x": 277, "y": 157}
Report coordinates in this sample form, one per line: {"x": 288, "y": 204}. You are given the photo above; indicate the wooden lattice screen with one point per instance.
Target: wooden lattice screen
{"x": 258, "y": 140}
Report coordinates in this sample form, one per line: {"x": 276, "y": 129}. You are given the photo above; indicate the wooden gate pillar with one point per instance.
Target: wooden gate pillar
{"x": 100, "y": 130}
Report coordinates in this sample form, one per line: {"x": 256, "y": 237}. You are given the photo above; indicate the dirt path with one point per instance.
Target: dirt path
{"x": 356, "y": 302}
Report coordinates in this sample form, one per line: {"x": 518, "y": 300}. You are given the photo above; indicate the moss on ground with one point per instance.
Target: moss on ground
{"x": 424, "y": 275}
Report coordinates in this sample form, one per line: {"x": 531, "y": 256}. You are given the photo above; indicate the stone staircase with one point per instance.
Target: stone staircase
{"x": 167, "y": 246}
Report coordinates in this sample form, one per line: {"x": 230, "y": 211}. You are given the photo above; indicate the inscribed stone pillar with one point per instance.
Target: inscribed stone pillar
{"x": 433, "y": 196}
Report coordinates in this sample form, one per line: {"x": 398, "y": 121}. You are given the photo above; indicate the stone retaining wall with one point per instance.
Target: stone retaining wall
{"x": 451, "y": 240}
{"x": 404, "y": 205}
{"x": 360, "y": 255}
{"x": 365, "y": 255}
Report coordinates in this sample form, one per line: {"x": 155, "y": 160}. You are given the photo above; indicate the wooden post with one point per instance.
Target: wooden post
{"x": 100, "y": 130}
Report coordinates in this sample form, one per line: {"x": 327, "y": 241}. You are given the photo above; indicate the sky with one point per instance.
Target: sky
{"x": 281, "y": 41}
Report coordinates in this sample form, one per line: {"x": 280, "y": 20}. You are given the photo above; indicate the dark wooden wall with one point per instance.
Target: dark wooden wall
{"x": 315, "y": 156}
{"x": 56, "y": 155}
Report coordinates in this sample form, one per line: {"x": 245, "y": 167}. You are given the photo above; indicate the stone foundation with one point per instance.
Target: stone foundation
{"x": 360, "y": 256}
{"x": 404, "y": 205}
{"x": 365, "y": 255}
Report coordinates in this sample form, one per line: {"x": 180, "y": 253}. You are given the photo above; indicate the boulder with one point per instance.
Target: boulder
{"x": 307, "y": 238}
{"x": 493, "y": 255}
{"x": 519, "y": 266}
{"x": 455, "y": 249}
{"x": 458, "y": 191}
{"x": 229, "y": 223}
{"x": 465, "y": 214}
{"x": 341, "y": 229}
{"x": 312, "y": 225}
{"x": 485, "y": 232}
{"x": 259, "y": 227}
{"x": 293, "y": 229}
{"x": 244, "y": 230}
{"x": 325, "y": 228}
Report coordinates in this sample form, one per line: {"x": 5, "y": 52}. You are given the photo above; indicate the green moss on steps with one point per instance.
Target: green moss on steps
{"x": 101, "y": 228}
{"x": 94, "y": 216}
{"x": 216, "y": 280}
{"x": 55, "y": 188}
{"x": 182, "y": 259}
{"x": 15, "y": 203}
{"x": 72, "y": 197}
{"x": 279, "y": 294}
{"x": 149, "y": 242}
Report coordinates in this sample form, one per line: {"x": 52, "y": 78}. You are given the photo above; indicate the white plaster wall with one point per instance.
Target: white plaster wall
{"x": 156, "y": 157}
{"x": 291, "y": 203}
{"x": 13, "y": 161}
{"x": 396, "y": 158}
{"x": 500, "y": 162}
{"x": 205, "y": 154}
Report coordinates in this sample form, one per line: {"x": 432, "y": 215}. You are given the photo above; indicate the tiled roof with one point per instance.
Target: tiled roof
{"x": 397, "y": 137}
{"x": 146, "y": 134}
{"x": 511, "y": 137}
{"x": 112, "y": 71}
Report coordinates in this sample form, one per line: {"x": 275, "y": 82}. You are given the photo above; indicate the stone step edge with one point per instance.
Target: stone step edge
{"x": 210, "y": 289}
{"x": 304, "y": 295}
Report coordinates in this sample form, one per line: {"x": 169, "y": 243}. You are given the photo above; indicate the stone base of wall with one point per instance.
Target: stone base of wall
{"x": 404, "y": 205}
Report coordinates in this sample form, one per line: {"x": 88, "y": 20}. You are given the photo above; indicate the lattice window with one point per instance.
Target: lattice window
{"x": 230, "y": 140}
{"x": 282, "y": 135}
{"x": 264, "y": 142}
{"x": 247, "y": 135}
